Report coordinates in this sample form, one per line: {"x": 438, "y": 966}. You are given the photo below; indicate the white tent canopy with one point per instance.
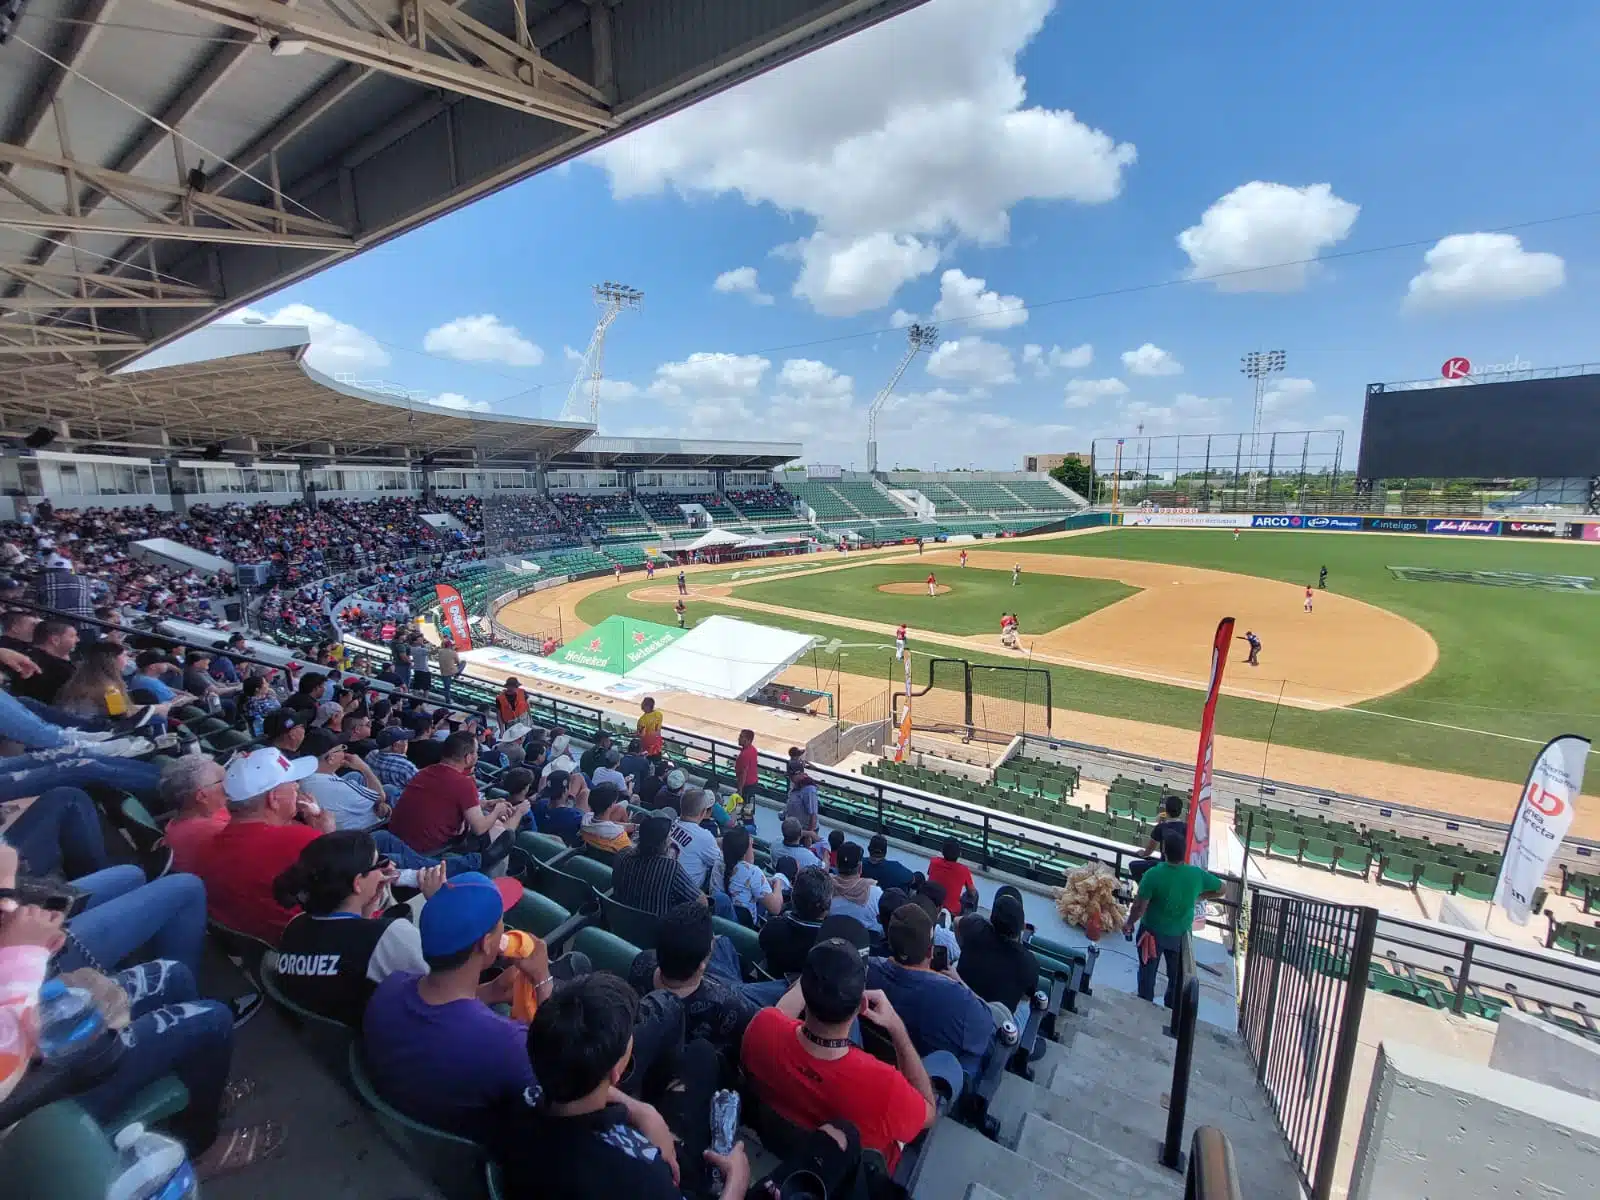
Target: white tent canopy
{"x": 715, "y": 537}
{"x": 723, "y": 657}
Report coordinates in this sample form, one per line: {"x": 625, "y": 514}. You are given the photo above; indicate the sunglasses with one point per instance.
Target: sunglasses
{"x": 383, "y": 864}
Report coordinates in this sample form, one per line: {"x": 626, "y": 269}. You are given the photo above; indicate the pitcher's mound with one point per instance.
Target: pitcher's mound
{"x": 911, "y": 589}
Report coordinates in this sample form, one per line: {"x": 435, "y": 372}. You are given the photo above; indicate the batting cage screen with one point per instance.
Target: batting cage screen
{"x": 1221, "y": 472}
{"x": 1010, "y": 700}
{"x": 1543, "y": 424}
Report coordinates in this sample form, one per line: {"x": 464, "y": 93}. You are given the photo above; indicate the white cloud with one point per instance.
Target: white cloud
{"x": 1267, "y": 231}
{"x": 1045, "y": 361}
{"x": 840, "y": 277}
{"x": 483, "y": 338}
{"x": 902, "y": 318}
{"x": 917, "y": 126}
{"x": 703, "y": 374}
{"x": 1081, "y": 393}
{"x": 742, "y": 281}
{"x": 457, "y": 401}
{"x": 1150, "y": 359}
{"x": 1187, "y": 413}
{"x": 1482, "y": 268}
{"x": 336, "y": 347}
{"x": 1287, "y": 393}
{"x": 574, "y": 357}
{"x": 974, "y": 361}
{"x": 1072, "y": 360}
{"x": 962, "y": 298}
{"x": 815, "y": 383}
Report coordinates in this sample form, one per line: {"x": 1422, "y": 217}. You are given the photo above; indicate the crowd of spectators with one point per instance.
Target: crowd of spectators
{"x": 763, "y": 502}
{"x": 595, "y": 514}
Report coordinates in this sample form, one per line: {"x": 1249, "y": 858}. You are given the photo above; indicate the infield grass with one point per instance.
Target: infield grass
{"x": 973, "y": 604}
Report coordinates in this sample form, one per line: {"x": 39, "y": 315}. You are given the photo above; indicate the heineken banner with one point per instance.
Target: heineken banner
{"x": 453, "y": 615}
{"x": 617, "y": 645}
{"x": 1542, "y": 818}
{"x": 1199, "y": 832}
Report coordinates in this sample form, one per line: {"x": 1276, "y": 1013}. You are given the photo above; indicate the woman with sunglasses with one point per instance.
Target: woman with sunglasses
{"x": 339, "y": 948}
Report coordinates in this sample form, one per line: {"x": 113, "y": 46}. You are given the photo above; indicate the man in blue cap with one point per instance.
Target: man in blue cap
{"x": 433, "y": 1046}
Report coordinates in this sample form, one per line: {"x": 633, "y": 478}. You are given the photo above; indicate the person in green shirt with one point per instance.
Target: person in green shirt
{"x": 1164, "y": 909}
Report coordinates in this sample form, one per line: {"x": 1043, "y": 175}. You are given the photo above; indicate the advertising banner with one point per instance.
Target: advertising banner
{"x": 1529, "y": 528}
{"x": 1347, "y": 523}
{"x": 453, "y": 615}
{"x": 1591, "y": 533}
{"x": 1480, "y": 528}
{"x": 1199, "y": 832}
{"x": 1395, "y": 525}
{"x": 618, "y": 645}
{"x": 1188, "y": 520}
{"x": 1279, "y": 521}
{"x": 1542, "y": 818}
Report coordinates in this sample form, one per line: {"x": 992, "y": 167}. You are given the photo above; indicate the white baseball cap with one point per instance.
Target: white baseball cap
{"x": 258, "y": 772}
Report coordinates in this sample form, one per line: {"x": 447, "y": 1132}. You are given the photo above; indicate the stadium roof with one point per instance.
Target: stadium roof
{"x": 247, "y": 388}
{"x": 613, "y": 452}
{"x": 162, "y": 161}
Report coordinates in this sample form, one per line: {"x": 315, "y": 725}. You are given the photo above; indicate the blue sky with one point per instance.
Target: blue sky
{"x": 1055, "y": 152}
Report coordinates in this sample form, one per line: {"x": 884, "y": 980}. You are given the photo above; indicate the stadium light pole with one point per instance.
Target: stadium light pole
{"x": 583, "y": 399}
{"x": 1259, "y": 366}
{"x": 918, "y": 338}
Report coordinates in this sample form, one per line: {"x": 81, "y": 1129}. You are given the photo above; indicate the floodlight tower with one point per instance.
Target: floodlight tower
{"x": 1259, "y": 366}
{"x": 583, "y": 400}
{"x": 918, "y": 339}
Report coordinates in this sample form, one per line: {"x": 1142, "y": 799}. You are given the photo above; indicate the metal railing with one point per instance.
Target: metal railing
{"x": 1183, "y": 1022}
{"x": 1300, "y": 1015}
{"x": 1212, "y": 1173}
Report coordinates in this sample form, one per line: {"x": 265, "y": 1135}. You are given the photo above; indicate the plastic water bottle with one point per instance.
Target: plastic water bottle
{"x": 71, "y": 1029}
{"x": 724, "y": 1129}
{"x": 153, "y": 1167}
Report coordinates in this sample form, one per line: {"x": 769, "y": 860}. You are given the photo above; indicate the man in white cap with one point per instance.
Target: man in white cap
{"x": 269, "y": 824}
{"x": 560, "y": 757}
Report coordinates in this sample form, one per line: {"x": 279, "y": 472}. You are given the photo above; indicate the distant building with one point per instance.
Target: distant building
{"x": 1049, "y": 462}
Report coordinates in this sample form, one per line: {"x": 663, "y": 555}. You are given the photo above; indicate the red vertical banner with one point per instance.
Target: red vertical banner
{"x": 1199, "y": 834}
{"x": 453, "y": 614}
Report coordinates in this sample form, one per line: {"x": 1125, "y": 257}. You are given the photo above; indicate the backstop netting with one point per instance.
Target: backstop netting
{"x": 1010, "y": 700}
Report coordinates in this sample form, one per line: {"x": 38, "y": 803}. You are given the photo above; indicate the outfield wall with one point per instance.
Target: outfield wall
{"x": 1587, "y": 531}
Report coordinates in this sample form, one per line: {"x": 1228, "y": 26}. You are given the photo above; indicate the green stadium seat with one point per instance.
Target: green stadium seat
{"x": 606, "y": 951}
{"x": 744, "y": 940}
{"x": 1396, "y": 868}
{"x": 1353, "y": 859}
{"x": 1285, "y": 844}
{"x": 574, "y": 883}
{"x": 537, "y": 914}
{"x": 1477, "y": 886}
{"x": 1438, "y": 876}
{"x": 57, "y": 1152}
{"x": 454, "y": 1163}
{"x": 541, "y": 847}
{"x": 631, "y": 924}
{"x": 1319, "y": 852}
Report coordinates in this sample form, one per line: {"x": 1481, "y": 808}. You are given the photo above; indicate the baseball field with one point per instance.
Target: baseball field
{"x": 1401, "y": 661}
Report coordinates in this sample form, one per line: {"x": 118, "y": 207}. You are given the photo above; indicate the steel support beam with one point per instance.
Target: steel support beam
{"x": 482, "y": 62}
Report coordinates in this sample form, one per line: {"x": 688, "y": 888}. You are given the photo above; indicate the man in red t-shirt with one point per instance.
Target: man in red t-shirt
{"x": 441, "y": 803}
{"x": 810, "y": 1074}
{"x": 950, "y": 873}
{"x": 270, "y": 824}
{"x": 747, "y": 767}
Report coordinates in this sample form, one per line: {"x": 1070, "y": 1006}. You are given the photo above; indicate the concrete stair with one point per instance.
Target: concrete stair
{"x": 1089, "y": 1125}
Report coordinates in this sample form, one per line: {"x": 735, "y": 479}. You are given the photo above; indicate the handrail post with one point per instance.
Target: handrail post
{"x": 1461, "y": 981}
{"x": 1177, "y": 1106}
{"x": 1344, "y": 1054}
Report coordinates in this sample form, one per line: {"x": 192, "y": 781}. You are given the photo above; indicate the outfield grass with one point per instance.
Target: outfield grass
{"x": 1511, "y": 661}
{"x": 972, "y": 605}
